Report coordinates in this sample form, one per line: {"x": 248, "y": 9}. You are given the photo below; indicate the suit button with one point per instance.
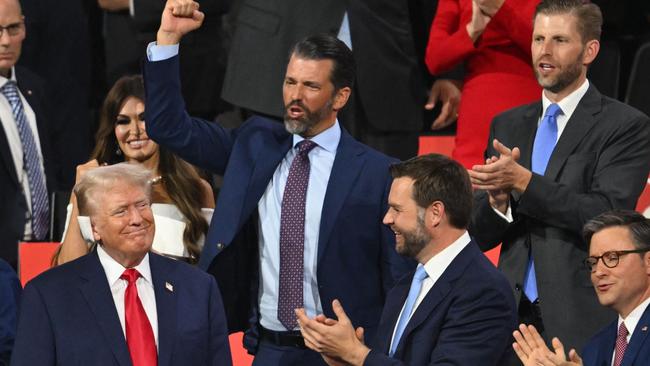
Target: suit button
{"x": 517, "y": 288}
{"x": 220, "y": 246}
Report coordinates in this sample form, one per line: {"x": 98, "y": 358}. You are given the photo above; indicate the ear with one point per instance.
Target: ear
{"x": 434, "y": 214}
{"x": 341, "y": 98}
{"x": 591, "y": 51}
{"x": 646, "y": 262}
{"x": 96, "y": 235}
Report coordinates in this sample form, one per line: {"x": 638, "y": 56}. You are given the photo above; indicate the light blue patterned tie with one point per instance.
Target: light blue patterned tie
{"x": 545, "y": 141}
{"x": 416, "y": 286}
{"x": 31, "y": 161}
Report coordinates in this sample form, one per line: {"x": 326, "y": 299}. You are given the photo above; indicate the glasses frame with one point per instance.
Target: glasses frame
{"x": 13, "y": 29}
{"x": 590, "y": 266}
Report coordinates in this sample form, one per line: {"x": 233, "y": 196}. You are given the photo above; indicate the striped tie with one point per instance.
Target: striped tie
{"x": 31, "y": 161}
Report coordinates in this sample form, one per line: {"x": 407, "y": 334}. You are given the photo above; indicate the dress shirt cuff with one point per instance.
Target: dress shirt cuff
{"x": 131, "y": 11}
{"x": 507, "y": 216}
{"x": 159, "y": 53}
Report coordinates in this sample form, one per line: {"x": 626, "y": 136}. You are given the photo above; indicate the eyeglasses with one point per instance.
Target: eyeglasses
{"x": 610, "y": 259}
{"x": 12, "y": 29}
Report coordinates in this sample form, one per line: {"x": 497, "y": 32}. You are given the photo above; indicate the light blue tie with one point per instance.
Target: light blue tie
{"x": 416, "y": 286}
{"x": 545, "y": 141}
{"x": 32, "y": 162}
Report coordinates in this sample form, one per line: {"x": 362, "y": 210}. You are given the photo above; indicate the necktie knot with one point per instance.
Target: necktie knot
{"x": 553, "y": 110}
{"x": 420, "y": 274}
{"x": 130, "y": 275}
{"x": 9, "y": 88}
{"x": 622, "y": 330}
{"x": 305, "y": 146}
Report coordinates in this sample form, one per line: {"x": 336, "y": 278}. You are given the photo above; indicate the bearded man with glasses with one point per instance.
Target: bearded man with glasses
{"x": 619, "y": 262}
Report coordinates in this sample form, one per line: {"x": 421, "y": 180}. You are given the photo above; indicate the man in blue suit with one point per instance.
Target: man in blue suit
{"x": 121, "y": 304}
{"x": 344, "y": 251}
{"x": 619, "y": 260}
{"x": 456, "y": 309}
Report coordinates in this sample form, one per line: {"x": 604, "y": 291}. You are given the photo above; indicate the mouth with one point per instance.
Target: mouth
{"x": 545, "y": 68}
{"x": 603, "y": 287}
{"x": 137, "y": 144}
{"x": 295, "y": 112}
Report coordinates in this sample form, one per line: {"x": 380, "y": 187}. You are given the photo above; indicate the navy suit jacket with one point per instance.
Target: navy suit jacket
{"x": 467, "y": 318}
{"x": 357, "y": 262}
{"x": 68, "y": 317}
{"x": 599, "y": 350}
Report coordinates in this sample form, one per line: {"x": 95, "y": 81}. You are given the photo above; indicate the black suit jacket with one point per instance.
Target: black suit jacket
{"x": 13, "y": 205}
{"x": 466, "y": 318}
{"x": 600, "y": 162}
{"x": 389, "y": 81}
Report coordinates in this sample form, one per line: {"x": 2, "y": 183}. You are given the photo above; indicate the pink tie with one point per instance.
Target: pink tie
{"x": 621, "y": 344}
{"x": 139, "y": 335}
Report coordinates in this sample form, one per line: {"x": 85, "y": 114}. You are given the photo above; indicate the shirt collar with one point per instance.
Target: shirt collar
{"x": 3, "y": 80}
{"x": 114, "y": 270}
{"x": 569, "y": 103}
{"x": 437, "y": 265}
{"x": 328, "y": 139}
{"x": 633, "y": 317}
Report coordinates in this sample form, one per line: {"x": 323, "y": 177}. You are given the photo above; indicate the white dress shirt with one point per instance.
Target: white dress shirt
{"x": 144, "y": 284}
{"x": 16, "y": 146}
{"x": 434, "y": 267}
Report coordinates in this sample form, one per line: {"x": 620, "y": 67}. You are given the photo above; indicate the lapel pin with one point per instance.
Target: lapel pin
{"x": 645, "y": 328}
{"x": 29, "y": 92}
{"x": 169, "y": 287}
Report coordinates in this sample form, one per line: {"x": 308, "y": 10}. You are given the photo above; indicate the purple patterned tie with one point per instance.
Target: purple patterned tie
{"x": 621, "y": 344}
{"x": 32, "y": 162}
{"x": 292, "y": 236}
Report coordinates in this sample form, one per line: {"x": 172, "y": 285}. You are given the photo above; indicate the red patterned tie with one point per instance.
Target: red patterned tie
{"x": 621, "y": 344}
{"x": 292, "y": 236}
{"x": 139, "y": 335}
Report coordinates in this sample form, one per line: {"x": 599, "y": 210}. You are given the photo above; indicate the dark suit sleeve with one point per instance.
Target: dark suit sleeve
{"x": 34, "y": 339}
{"x": 9, "y": 300}
{"x": 219, "y": 344}
{"x": 476, "y": 330}
{"x": 617, "y": 181}
{"x": 202, "y": 143}
{"x": 486, "y": 226}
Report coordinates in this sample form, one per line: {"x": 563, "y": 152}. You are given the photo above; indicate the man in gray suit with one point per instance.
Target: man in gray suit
{"x": 553, "y": 165}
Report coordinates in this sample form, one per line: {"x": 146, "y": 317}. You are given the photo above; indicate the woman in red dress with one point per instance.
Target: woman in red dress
{"x": 492, "y": 38}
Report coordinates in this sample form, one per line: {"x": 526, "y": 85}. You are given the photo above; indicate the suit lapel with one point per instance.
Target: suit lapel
{"x": 7, "y": 158}
{"x": 348, "y": 164}
{"x": 163, "y": 284}
{"x": 97, "y": 293}
{"x": 437, "y": 293}
{"x": 638, "y": 340}
{"x": 526, "y": 133}
{"x": 392, "y": 308}
{"x": 581, "y": 122}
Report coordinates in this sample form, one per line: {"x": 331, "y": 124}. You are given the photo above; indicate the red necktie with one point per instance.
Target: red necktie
{"x": 621, "y": 344}
{"x": 139, "y": 335}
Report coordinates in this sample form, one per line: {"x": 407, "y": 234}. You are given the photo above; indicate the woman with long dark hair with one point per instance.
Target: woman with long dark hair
{"x": 182, "y": 201}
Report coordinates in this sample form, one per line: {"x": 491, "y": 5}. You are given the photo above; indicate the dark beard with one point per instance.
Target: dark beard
{"x": 303, "y": 124}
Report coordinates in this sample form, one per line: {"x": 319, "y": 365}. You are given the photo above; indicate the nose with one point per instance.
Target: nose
{"x": 296, "y": 92}
{"x": 388, "y": 218}
{"x": 136, "y": 126}
{"x": 4, "y": 37}
{"x": 135, "y": 217}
